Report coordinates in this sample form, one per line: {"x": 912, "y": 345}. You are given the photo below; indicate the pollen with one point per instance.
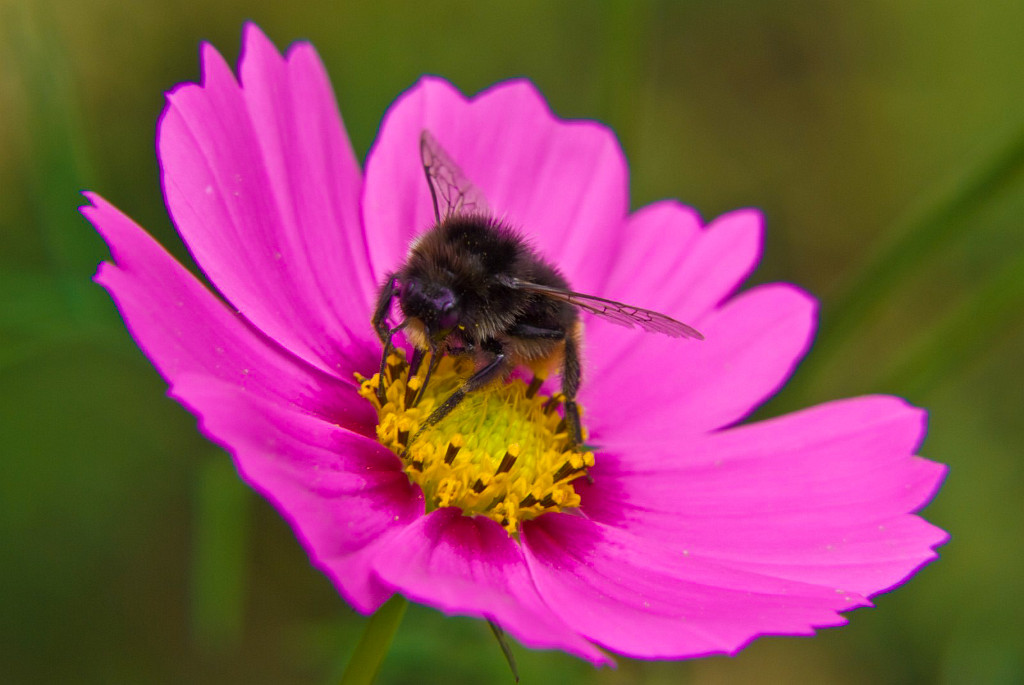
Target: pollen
{"x": 503, "y": 452}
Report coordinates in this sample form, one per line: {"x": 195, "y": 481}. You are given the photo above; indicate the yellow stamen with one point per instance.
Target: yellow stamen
{"x": 503, "y": 452}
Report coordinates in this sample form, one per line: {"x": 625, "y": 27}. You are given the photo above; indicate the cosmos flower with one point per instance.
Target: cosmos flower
{"x": 689, "y": 535}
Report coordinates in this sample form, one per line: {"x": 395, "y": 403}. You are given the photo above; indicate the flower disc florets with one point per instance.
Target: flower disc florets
{"x": 503, "y": 452}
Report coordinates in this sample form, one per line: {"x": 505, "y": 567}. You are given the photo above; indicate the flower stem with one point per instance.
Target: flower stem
{"x": 219, "y": 555}
{"x": 506, "y": 648}
{"x": 373, "y": 646}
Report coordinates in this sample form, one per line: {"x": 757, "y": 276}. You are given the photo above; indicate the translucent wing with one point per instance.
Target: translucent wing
{"x": 616, "y": 312}
{"x": 450, "y": 190}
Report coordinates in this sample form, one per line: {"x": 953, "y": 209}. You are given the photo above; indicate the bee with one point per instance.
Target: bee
{"x": 472, "y": 285}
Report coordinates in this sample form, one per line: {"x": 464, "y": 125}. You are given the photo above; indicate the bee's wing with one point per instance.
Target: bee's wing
{"x": 450, "y": 190}
{"x": 616, "y": 312}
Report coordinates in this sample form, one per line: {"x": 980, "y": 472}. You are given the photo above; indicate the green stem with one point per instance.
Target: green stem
{"x": 373, "y": 646}
{"x": 219, "y": 555}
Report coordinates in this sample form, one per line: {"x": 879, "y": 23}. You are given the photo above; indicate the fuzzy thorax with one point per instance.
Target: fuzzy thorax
{"x": 503, "y": 452}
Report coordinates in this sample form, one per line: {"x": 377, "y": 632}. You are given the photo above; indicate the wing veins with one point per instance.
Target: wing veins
{"x": 615, "y": 312}
{"x": 450, "y": 189}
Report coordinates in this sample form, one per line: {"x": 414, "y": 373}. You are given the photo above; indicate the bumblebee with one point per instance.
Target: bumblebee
{"x": 472, "y": 285}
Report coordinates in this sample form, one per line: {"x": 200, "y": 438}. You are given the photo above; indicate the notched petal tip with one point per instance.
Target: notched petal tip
{"x": 253, "y": 34}
{"x": 303, "y": 53}
{"x": 522, "y": 89}
{"x": 110, "y": 222}
{"x": 215, "y": 69}
{"x": 747, "y": 228}
{"x": 939, "y": 473}
{"x": 753, "y": 216}
{"x": 92, "y": 210}
{"x": 91, "y": 199}
{"x": 257, "y": 47}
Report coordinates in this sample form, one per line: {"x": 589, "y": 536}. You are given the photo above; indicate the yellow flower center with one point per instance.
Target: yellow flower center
{"x": 503, "y": 452}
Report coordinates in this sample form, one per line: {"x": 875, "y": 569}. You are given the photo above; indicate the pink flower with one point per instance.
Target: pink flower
{"x": 693, "y": 535}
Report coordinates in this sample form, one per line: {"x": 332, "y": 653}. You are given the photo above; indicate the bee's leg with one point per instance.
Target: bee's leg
{"x": 495, "y": 368}
{"x": 535, "y": 383}
{"x": 570, "y": 373}
{"x": 380, "y": 313}
{"x": 570, "y": 386}
{"x": 384, "y": 332}
{"x": 381, "y": 397}
{"x": 435, "y": 357}
{"x": 417, "y": 359}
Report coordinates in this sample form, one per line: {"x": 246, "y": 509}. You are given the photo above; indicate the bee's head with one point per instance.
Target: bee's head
{"x": 435, "y": 304}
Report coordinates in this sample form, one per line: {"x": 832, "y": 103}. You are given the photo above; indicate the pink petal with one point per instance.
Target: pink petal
{"x": 821, "y": 496}
{"x": 345, "y": 494}
{"x": 470, "y": 566}
{"x": 264, "y": 188}
{"x": 184, "y": 329}
{"x": 562, "y": 184}
{"x": 673, "y": 264}
{"x": 638, "y": 597}
{"x": 680, "y": 388}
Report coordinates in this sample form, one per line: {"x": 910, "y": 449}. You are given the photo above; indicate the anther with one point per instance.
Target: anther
{"x": 453, "y": 448}
{"x": 565, "y": 471}
{"x": 552, "y": 403}
{"x": 510, "y": 458}
{"x": 410, "y": 391}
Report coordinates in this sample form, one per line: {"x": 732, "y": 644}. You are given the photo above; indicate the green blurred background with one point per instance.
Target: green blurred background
{"x": 884, "y": 141}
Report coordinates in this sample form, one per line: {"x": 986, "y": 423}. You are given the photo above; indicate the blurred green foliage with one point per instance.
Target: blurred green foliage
{"x": 882, "y": 139}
